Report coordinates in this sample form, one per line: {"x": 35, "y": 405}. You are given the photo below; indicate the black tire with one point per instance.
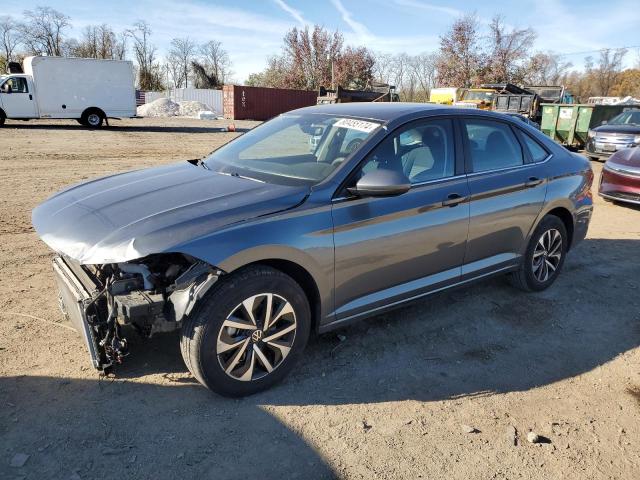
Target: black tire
{"x": 204, "y": 328}
{"x": 2, "y": 118}
{"x": 528, "y": 277}
{"x": 92, "y": 118}
{"x": 81, "y": 122}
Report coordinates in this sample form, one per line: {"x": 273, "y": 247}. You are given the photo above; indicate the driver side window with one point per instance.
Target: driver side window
{"x": 17, "y": 84}
{"x": 422, "y": 151}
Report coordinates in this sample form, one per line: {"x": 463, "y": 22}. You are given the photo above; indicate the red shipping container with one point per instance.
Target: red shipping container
{"x": 259, "y": 103}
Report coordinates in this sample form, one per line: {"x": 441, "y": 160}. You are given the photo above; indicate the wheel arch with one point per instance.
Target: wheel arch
{"x": 303, "y": 278}
{"x": 565, "y": 215}
{"x": 299, "y": 265}
{"x": 89, "y": 110}
{"x": 562, "y": 209}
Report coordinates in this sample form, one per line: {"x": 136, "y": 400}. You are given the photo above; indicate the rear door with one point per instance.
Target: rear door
{"x": 388, "y": 249}
{"x": 20, "y": 102}
{"x": 507, "y": 189}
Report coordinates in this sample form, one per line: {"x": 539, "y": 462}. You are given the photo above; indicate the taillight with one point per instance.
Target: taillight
{"x": 590, "y": 177}
{"x": 588, "y": 182}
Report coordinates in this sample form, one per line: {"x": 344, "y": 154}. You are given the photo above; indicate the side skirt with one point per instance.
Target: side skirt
{"x": 400, "y": 303}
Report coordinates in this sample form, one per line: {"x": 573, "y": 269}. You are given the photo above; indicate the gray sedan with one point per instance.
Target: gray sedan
{"x": 317, "y": 218}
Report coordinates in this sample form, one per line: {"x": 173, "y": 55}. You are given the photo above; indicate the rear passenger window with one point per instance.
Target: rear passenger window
{"x": 493, "y": 145}
{"x": 538, "y": 153}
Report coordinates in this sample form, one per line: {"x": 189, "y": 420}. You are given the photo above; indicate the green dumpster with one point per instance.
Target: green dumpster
{"x": 568, "y": 124}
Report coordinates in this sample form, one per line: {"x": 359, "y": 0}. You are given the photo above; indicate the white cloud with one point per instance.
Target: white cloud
{"x": 593, "y": 28}
{"x": 453, "y": 12}
{"x": 358, "y": 28}
{"x": 297, "y": 16}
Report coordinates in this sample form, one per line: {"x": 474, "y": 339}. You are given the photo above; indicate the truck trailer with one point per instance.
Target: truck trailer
{"x": 87, "y": 90}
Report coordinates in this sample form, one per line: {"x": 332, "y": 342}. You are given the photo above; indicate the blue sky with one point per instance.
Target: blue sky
{"x": 253, "y": 29}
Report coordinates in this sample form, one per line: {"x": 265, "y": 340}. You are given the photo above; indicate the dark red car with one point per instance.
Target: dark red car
{"x": 620, "y": 180}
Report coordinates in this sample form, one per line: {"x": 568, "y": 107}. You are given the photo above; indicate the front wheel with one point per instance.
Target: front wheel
{"x": 544, "y": 257}
{"x": 248, "y": 332}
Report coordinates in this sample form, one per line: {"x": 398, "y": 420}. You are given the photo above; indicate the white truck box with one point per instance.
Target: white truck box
{"x": 62, "y": 87}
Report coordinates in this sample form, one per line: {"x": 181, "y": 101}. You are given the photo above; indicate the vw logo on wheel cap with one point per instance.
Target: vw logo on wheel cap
{"x": 256, "y": 336}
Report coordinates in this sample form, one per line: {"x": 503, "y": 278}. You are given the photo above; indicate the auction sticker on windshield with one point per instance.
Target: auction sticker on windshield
{"x": 360, "y": 125}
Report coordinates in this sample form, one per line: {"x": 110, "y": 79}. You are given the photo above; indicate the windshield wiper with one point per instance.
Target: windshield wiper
{"x": 237, "y": 175}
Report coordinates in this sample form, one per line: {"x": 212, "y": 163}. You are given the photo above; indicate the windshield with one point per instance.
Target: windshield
{"x": 292, "y": 149}
{"x": 486, "y": 96}
{"x": 631, "y": 117}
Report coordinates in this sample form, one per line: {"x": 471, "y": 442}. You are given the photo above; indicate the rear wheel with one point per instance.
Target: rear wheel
{"x": 247, "y": 333}
{"x": 544, "y": 257}
{"x": 92, "y": 118}
{"x": 2, "y": 118}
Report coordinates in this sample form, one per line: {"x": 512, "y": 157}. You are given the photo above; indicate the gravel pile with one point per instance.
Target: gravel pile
{"x": 192, "y": 108}
{"x": 164, "y": 107}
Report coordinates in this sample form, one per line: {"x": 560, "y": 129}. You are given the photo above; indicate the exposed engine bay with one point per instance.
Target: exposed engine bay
{"x": 153, "y": 294}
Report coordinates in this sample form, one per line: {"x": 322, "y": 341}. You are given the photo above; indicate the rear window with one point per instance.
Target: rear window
{"x": 538, "y": 153}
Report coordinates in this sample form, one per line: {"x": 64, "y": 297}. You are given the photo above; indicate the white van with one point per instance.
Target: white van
{"x": 84, "y": 89}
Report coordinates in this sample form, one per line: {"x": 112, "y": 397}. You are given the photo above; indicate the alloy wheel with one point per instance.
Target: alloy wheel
{"x": 547, "y": 255}
{"x": 256, "y": 337}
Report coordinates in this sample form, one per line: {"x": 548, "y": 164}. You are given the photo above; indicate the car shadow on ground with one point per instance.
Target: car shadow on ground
{"x": 127, "y": 128}
{"x": 482, "y": 340}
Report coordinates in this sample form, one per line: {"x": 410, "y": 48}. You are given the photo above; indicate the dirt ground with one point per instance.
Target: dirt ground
{"x": 391, "y": 400}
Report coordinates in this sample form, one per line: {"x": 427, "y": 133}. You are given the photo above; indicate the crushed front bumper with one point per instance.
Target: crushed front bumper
{"x": 77, "y": 294}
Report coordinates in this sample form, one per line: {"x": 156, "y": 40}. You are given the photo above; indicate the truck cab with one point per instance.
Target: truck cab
{"x": 481, "y": 98}
{"x": 17, "y": 96}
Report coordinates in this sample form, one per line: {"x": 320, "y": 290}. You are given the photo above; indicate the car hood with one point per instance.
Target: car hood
{"x": 623, "y": 129}
{"x": 131, "y": 215}
{"x": 629, "y": 157}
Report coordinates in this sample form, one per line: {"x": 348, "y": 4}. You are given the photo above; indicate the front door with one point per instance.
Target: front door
{"x": 508, "y": 190}
{"x": 17, "y": 100}
{"x": 389, "y": 249}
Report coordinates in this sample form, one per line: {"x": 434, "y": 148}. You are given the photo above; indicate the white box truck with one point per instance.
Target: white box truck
{"x": 84, "y": 89}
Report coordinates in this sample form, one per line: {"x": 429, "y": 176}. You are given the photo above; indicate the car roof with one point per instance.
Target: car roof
{"x": 387, "y": 111}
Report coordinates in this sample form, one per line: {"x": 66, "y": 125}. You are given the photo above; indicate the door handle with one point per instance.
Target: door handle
{"x": 453, "y": 199}
{"x": 532, "y": 182}
{"x": 30, "y": 97}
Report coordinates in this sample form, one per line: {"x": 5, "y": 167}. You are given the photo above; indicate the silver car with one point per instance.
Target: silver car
{"x": 251, "y": 249}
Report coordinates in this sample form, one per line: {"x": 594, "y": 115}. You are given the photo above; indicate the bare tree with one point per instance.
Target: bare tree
{"x": 423, "y": 69}
{"x": 383, "y": 67}
{"x": 546, "y": 69}
{"x": 608, "y": 70}
{"x": 508, "y": 51}
{"x": 9, "y": 38}
{"x": 413, "y": 76}
{"x": 215, "y": 60}
{"x": 149, "y": 75}
{"x": 100, "y": 41}
{"x": 460, "y": 58}
{"x": 181, "y": 55}
{"x": 43, "y": 31}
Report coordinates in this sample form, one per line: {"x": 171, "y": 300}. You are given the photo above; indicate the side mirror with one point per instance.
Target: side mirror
{"x": 381, "y": 183}
{"x": 6, "y": 88}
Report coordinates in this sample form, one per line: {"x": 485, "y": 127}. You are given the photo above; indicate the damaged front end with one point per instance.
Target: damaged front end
{"x": 153, "y": 294}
